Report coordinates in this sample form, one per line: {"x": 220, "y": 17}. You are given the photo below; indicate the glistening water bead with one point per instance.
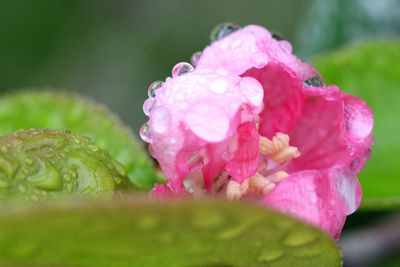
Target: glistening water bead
{"x": 195, "y": 58}
{"x": 145, "y": 133}
{"x": 222, "y": 30}
{"x": 314, "y": 81}
{"x": 154, "y": 87}
{"x": 181, "y": 68}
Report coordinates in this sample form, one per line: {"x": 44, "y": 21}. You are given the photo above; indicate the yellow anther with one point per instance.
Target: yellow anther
{"x": 236, "y": 190}
{"x": 280, "y": 175}
{"x": 260, "y": 184}
{"x": 278, "y": 149}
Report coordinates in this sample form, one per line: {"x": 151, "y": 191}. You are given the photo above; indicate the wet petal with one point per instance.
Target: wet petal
{"x": 283, "y": 98}
{"x": 323, "y": 198}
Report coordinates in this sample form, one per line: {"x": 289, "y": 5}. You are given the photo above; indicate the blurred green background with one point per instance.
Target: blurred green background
{"x": 112, "y": 50}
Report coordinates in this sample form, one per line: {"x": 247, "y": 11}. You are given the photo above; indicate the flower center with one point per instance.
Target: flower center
{"x": 276, "y": 154}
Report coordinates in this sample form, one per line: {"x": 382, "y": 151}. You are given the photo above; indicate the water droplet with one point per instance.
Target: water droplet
{"x": 299, "y": 237}
{"x": 145, "y": 133}
{"x": 277, "y": 36}
{"x": 181, "y": 68}
{"x": 195, "y": 58}
{"x": 222, "y": 30}
{"x": 154, "y": 87}
{"x": 270, "y": 254}
{"x": 359, "y": 118}
{"x": 311, "y": 250}
{"x": 148, "y": 106}
{"x": 315, "y": 81}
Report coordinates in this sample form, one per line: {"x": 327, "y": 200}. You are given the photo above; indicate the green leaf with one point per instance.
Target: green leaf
{"x": 42, "y": 164}
{"x": 138, "y": 232}
{"x": 372, "y": 71}
{"x": 333, "y": 23}
{"x": 61, "y": 111}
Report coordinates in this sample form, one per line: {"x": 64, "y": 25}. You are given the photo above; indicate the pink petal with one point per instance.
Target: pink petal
{"x": 325, "y": 133}
{"x": 283, "y": 98}
{"x": 251, "y": 47}
{"x": 323, "y": 198}
{"x": 246, "y": 158}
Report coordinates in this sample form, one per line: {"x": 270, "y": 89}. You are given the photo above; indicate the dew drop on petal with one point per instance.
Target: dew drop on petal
{"x": 222, "y": 30}
{"x": 181, "y": 68}
{"x": 359, "y": 118}
{"x": 148, "y": 105}
{"x": 277, "y": 36}
{"x": 315, "y": 80}
{"x": 154, "y": 87}
{"x": 195, "y": 58}
{"x": 145, "y": 133}
{"x": 160, "y": 120}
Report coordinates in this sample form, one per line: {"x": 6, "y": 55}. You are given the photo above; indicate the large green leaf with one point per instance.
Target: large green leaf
{"x": 372, "y": 71}
{"x": 61, "y": 111}
{"x": 137, "y": 232}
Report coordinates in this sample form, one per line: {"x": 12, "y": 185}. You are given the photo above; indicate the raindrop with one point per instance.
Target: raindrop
{"x": 154, "y": 87}
{"x": 277, "y": 36}
{"x": 270, "y": 254}
{"x": 299, "y": 237}
{"x": 315, "y": 81}
{"x": 148, "y": 106}
{"x": 181, "y": 68}
{"x": 145, "y": 133}
{"x": 195, "y": 58}
{"x": 222, "y": 30}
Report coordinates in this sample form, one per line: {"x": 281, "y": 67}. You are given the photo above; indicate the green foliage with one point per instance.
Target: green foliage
{"x": 329, "y": 24}
{"x": 372, "y": 72}
{"x": 60, "y": 111}
{"x": 43, "y": 164}
{"x": 137, "y": 232}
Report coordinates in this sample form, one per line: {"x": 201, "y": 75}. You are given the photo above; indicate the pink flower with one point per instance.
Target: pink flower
{"x": 253, "y": 121}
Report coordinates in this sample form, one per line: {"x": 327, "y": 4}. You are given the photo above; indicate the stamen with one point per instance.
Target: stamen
{"x": 279, "y": 176}
{"x": 278, "y": 148}
{"x": 235, "y": 190}
{"x": 260, "y": 184}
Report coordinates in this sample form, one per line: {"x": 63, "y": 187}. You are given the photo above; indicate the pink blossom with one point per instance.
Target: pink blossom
{"x": 252, "y": 121}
